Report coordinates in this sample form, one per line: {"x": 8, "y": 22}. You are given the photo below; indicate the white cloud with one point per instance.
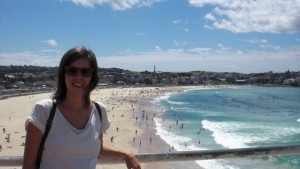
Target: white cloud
{"x": 210, "y": 17}
{"x": 222, "y": 47}
{"x": 180, "y": 43}
{"x": 268, "y": 46}
{"x": 51, "y": 42}
{"x": 200, "y": 50}
{"x": 157, "y": 48}
{"x": 201, "y": 3}
{"x": 177, "y": 21}
{"x": 176, "y": 50}
{"x": 181, "y": 25}
{"x": 38, "y": 58}
{"x": 240, "y": 16}
{"x": 263, "y": 43}
{"x": 176, "y": 43}
{"x": 116, "y": 4}
{"x": 177, "y": 60}
{"x": 186, "y": 29}
{"x": 257, "y": 41}
{"x": 239, "y": 52}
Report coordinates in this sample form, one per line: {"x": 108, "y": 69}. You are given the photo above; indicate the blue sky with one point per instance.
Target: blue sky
{"x": 175, "y": 35}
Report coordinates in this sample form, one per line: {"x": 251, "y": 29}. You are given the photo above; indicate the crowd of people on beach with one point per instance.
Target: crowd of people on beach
{"x": 142, "y": 112}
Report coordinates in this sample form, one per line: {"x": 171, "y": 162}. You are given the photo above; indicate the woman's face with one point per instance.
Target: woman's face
{"x": 78, "y": 77}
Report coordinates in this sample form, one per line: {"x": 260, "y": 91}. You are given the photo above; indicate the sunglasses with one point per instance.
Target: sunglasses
{"x": 72, "y": 71}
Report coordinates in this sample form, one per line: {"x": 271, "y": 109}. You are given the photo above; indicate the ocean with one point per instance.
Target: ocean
{"x": 227, "y": 118}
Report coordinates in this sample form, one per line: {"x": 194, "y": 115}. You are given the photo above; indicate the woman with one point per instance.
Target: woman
{"x": 75, "y": 139}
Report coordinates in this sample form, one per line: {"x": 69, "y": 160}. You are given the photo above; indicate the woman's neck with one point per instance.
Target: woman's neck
{"x": 74, "y": 102}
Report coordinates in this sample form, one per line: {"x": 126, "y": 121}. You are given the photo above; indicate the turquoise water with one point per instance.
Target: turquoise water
{"x": 233, "y": 118}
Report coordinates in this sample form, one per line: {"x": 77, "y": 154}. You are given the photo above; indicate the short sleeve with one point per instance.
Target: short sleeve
{"x": 39, "y": 114}
{"x": 105, "y": 123}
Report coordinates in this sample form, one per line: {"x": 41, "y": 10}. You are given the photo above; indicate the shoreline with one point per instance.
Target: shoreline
{"x": 152, "y": 142}
{"x": 149, "y": 141}
{"x": 146, "y": 119}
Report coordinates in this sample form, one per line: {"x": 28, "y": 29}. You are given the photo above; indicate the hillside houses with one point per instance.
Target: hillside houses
{"x": 35, "y": 76}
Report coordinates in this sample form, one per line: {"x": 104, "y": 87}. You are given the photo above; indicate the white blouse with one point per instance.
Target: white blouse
{"x": 67, "y": 147}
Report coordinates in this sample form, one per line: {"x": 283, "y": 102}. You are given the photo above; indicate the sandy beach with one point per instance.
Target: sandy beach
{"x": 132, "y": 127}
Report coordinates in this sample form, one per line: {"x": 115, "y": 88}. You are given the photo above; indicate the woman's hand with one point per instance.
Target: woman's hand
{"x": 107, "y": 151}
{"x": 132, "y": 162}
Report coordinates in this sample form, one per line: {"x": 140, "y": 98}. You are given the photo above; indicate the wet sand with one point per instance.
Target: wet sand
{"x": 149, "y": 141}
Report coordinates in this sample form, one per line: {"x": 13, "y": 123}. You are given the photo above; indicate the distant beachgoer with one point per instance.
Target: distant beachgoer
{"x": 181, "y": 126}
{"x": 112, "y": 139}
{"x": 199, "y": 131}
{"x": 75, "y": 139}
{"x": 8, "y": 138}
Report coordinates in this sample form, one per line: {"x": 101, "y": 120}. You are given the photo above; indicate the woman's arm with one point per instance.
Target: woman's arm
{"x": 107, "y": 151}
{"x": 33, "y": 140}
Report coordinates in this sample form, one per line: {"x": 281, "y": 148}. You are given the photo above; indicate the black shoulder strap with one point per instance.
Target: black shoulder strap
{"x": 99, "y": 110}
{"x": 47, "y": 129}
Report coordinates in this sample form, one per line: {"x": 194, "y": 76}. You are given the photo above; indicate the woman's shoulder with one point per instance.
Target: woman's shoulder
{"x": 45, "y": 103}
{"x": 40, "y": 114}
{"x": 102, "y": 105}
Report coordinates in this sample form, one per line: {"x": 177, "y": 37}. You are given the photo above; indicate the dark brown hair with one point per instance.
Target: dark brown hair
{"x": 68, "y": 58}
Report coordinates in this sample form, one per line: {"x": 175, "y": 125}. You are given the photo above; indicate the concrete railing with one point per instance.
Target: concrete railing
{"x": 187, "y": 155}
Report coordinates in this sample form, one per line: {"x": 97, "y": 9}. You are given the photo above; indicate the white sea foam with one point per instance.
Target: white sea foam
{"x": 165, "y": 96}
{"x": 182, "y": 108}
{"x": 229, "y": 135}
{"x": 178, "y": 142}
{"x": 177, "y": 103}
{"x": 241, "y": 135}
{"x": 298, "y": 120}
